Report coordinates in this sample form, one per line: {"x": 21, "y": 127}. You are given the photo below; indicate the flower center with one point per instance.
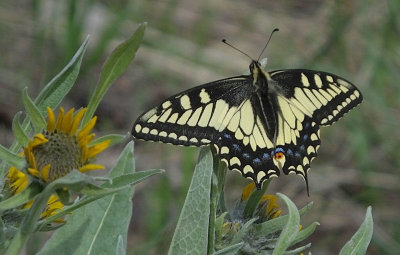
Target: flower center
{"x": 62, "y": 152}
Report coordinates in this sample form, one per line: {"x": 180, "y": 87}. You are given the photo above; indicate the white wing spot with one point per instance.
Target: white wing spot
{"x": 204, "y": 96}
{"x": 248, "y": 169}
{"x": 304, "y": 80}
{"x": 185, "y": 102}
{"x": 318, "y": 80}
{"x": 138, "y": 127}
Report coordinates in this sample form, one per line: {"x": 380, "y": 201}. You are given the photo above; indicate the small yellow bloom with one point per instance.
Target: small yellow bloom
{"x": 59, "y": 149}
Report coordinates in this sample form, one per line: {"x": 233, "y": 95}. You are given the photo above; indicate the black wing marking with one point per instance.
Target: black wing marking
{"x": 194, "y": 117}
{"x": 323, "y": 96}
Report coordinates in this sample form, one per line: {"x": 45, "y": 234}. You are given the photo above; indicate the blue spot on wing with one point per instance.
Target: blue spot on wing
{"x": 305, "y": 137}
{"x": 228, "y": 136}
{"x": 302, "y": 148}
{"x": 289, "y": 152}
{"x": 297, "y": 155}
{"x": 236, "y": 147}
{"x": 256, "y": 161}
{"x": 279, "y": 150}
{"x": 265, "y": 156}
{"x": 246, "y": 155}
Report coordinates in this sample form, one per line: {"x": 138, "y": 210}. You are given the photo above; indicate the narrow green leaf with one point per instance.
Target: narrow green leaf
{"x": 21, "y": 198}
{"x": 191, "y": 233}
{"x": 291, "y": 228}
{"x": 254, "y": 200}
{"x": 97, "y": 193}
{"x": 11, "y": 158}
{"x": 277, "y": 224}
{"x": 243, "y": 230}
{"x": 114, "y": 66}
{"x": 120, "y": 249}
{"x": 55, "y": 90}
{"x": 304, "y": 233}
{"x": 18, "y": 131}
{"x": 73, "y": 180}
{"x": 100, "y": 222}
{"x": 33, "y": 112}
{"x": 230, "y": 250}
{"x": 359, "y": 242}
{"x": 297, "y": 251}
{"x": 114, "y": 139}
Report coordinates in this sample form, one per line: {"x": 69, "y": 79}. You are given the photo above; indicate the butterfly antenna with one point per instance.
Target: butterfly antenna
{"x": 270, "y": 36}
{"x": 224, "y": 41}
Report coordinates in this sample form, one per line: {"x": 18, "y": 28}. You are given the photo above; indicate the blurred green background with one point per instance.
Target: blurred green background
{"x": 359, "y": 40}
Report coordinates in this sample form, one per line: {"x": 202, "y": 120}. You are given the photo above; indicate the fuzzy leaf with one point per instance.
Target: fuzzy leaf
{"x": 33, "y": 112}
{"x": 18, "y": 131}
{"x": 114, "y": 66}
{"x": 304, "y": 233}
{"x": 114, "y": 139}
{"x": 358, "y": 244}
{"x": 291, "y": 228}
{"x": 11, "y": 158}
{"x": 100, "y": 222}
{"x": 230, "y": 250}
{"x": 55, "y": 90}
{"x": 191, "y": 233}
{"x": 21, "y": 198}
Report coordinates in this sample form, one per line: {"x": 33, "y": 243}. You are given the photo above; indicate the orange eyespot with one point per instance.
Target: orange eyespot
{"x": 279, "y": 156}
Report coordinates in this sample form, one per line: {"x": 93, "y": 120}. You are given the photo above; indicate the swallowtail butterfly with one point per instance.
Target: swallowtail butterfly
{"x": 260, "y": 124}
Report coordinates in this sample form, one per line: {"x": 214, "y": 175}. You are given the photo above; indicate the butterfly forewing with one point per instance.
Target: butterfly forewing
{"x": 323, "y": 96}
{"x": 196, "y": 116}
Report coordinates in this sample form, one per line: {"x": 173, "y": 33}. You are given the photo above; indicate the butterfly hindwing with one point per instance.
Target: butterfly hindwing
{"x": 193, "y": 117}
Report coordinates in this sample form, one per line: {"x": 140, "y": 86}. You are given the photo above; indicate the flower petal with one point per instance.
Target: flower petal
{"x": 67, "y": 121}
{"x": 45, "y": 172}
{"x": 77, "y": 120}
{"x": 60, "y": 118}
{"x": 87, "y": 128}
{"x": 51, "y": 120}
{"x": 247, "y": 191}
{"x": 89, "y": 167}
{"x": 96, "y": 149}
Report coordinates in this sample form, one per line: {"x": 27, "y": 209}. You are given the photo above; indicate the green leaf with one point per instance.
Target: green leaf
{"x": 120, "y": 249}
{"x": 33, "y": 112}
{"x": 191, "y": 233}
{"x": 277, "y": 224}
{"x": 98, "y": 192}
{"x": 304, "y": 233}
{"x": 358, "y": 244}
{"x": 254, "y": 200}
{"x": 74, "y": 180}
{"x": 100, "y": 222}
{"x": 21, "y": 198}
{"x": 243, "y": 230}
{"x": 298, "y": 250}
{"x": 18, "y": 131}
{"x": 230, "y": 250}
{"x": 11, "y": 158}
{"x": 114, "y": 66}
{"x": 291, "y": 228}
{"x": 55, "y": 90}
{"x": 114, "y": 139}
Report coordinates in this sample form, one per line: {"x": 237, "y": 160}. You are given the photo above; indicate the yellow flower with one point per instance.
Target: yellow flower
{"x": 63, "y": 147}
{"x": 59, "y": 149}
